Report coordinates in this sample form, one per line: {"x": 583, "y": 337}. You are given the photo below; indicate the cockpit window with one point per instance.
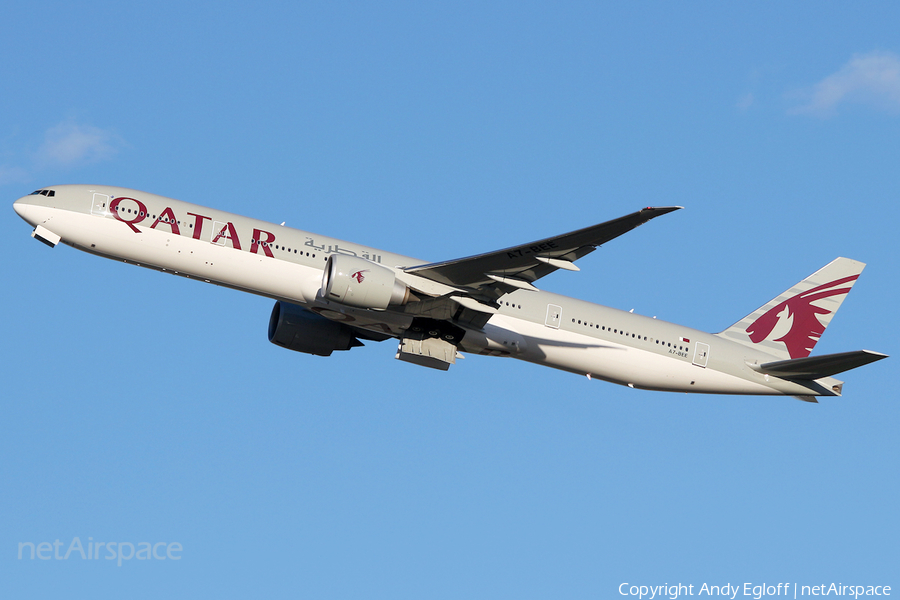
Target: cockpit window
{"x": 48, "y": 193}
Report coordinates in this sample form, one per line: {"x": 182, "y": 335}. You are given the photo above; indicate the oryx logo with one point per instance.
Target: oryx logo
{"x": 358, "y": 276}
{"x": 795, "y": 320}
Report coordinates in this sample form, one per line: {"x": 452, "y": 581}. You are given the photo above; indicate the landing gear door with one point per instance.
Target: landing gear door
{"x": 100, "y": 206}
{"x": 701, "y": 354}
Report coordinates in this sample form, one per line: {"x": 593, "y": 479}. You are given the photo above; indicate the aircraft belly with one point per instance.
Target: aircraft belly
{"x": 625, "y": 365}
{"x": 387, "y": 322}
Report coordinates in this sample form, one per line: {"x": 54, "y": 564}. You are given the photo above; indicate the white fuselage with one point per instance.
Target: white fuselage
{"x": 287, "y": 264}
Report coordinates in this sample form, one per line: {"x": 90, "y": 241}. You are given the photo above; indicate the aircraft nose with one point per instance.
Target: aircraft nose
{"x": 19, "y": 207}
{"x": 23, "y": 206}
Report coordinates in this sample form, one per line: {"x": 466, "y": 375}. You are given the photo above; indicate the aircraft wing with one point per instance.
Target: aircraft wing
{"x": 520, "y": 266}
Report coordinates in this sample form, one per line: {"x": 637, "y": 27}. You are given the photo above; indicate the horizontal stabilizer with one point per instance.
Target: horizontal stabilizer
{"x": 816, "y": 367}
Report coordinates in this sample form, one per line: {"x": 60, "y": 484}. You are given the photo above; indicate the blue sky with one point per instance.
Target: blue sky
{"x": 139, "y": 407}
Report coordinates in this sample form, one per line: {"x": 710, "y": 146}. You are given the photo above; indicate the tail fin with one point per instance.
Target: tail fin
{"x": 791, "y": 324}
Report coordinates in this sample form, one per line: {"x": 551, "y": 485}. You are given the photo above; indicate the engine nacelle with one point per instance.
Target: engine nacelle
{"x": 361, "y": 283}
{"x": 295, "y": 328}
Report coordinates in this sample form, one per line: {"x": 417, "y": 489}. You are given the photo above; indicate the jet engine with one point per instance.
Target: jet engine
{"x": 295, "y": 328}
{"x": 361, "y": 283}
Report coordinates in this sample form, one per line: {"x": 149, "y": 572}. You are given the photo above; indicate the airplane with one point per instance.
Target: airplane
{"x": 331, "y": 294}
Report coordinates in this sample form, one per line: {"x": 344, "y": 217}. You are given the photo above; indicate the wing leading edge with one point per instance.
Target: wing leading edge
{"x": 519, "y": 266}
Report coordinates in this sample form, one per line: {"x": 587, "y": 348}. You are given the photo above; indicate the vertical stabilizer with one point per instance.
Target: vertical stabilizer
{"x": 790, "y": 325}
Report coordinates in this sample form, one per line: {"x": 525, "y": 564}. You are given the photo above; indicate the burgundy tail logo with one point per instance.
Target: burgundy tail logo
{"x": 358, "y": 276}
{"x": 800, "y": 314}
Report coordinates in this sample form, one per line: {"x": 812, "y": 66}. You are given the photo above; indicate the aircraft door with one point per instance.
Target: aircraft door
{"x": 701, "y": 354}
{"x": 554, "y": 316}
{"x": 99, "y": 207}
